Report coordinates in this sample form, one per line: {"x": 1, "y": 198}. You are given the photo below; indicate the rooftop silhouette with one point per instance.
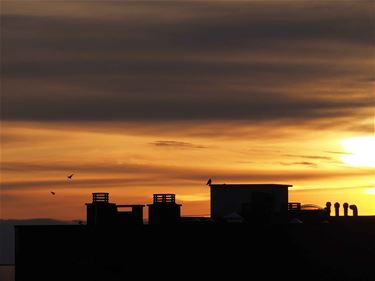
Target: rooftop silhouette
{"x": 251, "y": 226}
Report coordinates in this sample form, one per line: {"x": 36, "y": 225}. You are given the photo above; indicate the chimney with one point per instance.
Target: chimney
{"x": 328, "y": 208}
{"x": 337, "y": 208}
{"x": 346, "y": 206}
{"x": 355, "y": 210}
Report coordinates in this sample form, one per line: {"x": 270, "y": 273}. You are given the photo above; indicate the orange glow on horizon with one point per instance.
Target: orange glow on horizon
{"x": 133, "y": 165}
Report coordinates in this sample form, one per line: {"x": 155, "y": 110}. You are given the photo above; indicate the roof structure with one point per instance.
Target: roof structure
{"x": 250, "y": 185}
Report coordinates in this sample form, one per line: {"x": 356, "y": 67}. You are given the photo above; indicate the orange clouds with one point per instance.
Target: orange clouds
{"x": 132, "y": 165}
{"x": 138, "y": 98}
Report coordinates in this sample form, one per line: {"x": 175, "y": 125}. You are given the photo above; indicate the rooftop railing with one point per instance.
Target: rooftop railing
{"x": 294, "y": 206}
{"x": 102, "y": 197}
{"x": 164, "y": 198}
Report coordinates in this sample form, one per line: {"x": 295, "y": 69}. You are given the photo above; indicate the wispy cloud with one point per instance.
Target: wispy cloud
{"x": 303, "y": 163}
{"x": 309, "y": 156}
{"x": 331, "y": 188}
{"x": 337, "y": 152}
{"x": 159, "y": 175}
{"x": 177, "y": 144}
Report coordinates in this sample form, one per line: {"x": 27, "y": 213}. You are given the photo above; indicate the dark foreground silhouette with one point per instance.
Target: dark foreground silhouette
{"x": 266, "y": 240}
{"x": 335, "y": 251}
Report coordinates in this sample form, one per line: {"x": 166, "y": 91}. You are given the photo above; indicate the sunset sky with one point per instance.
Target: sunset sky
{"x": 143, "y": 97}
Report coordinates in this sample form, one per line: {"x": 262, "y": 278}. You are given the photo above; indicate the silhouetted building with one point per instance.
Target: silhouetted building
{"x": 259, "y": 203}
{"x": 101, "y": 213}
{"x": 118, "y": 250}
{"x": 133, "y": 214}
{"x": 164, "y": 210}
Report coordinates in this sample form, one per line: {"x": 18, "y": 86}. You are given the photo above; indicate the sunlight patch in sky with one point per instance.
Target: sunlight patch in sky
{"x": 361, "y": 151}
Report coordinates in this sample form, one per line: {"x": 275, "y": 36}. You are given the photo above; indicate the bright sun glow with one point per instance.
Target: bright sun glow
{"x": 361, "y": 151}
{"x": 371, "y": 191}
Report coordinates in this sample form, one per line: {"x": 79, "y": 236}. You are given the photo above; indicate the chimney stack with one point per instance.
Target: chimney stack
{"x": 346, "y": 206}
{"x": 328, "y": 208}
{"x": 355, "y": 210}
{"x": 337, "y": 208}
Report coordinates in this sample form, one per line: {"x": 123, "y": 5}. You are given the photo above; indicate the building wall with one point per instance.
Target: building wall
{"x": 101, "y": 213}
{"x": 230, "y": 199}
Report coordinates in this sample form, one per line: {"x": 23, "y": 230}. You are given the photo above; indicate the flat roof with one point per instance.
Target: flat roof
{"x": 129, "y": 206}
{"x": 256, "y": 185}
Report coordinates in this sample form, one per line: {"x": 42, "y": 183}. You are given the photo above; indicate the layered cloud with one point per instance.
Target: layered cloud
{"x": 177, "y": 144}
{"x": 172, "y": 61}
{"x": 96, "y": 175}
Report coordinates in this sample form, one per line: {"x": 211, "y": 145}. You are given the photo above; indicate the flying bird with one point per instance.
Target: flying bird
{"x": 209, "y": 182}
{"x": 70, "y": 177}
{"x": 53, "y": 193}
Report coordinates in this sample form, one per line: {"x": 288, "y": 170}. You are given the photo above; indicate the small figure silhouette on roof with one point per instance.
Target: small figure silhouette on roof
{"x": 70, "y": 177}
{"x": 209, "y": 182}
{"x": 53, "y": 193}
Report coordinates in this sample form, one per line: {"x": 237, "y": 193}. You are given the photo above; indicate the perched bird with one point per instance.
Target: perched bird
{"x": 209, "y": 182}
{"x": 53, "y": 193}
{"x": 70, "y": 177}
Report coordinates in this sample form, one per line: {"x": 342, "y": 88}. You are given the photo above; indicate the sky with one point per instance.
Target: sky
{"x": 143, "y": 97}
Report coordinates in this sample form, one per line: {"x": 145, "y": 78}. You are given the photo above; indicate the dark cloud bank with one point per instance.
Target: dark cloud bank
{"x": 200, "y": 61}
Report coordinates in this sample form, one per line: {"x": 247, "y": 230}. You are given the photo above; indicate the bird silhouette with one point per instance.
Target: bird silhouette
{"x": 70, "y": 177}
{"x": 209, "y": 182}
{"x": 53, "y": 193}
